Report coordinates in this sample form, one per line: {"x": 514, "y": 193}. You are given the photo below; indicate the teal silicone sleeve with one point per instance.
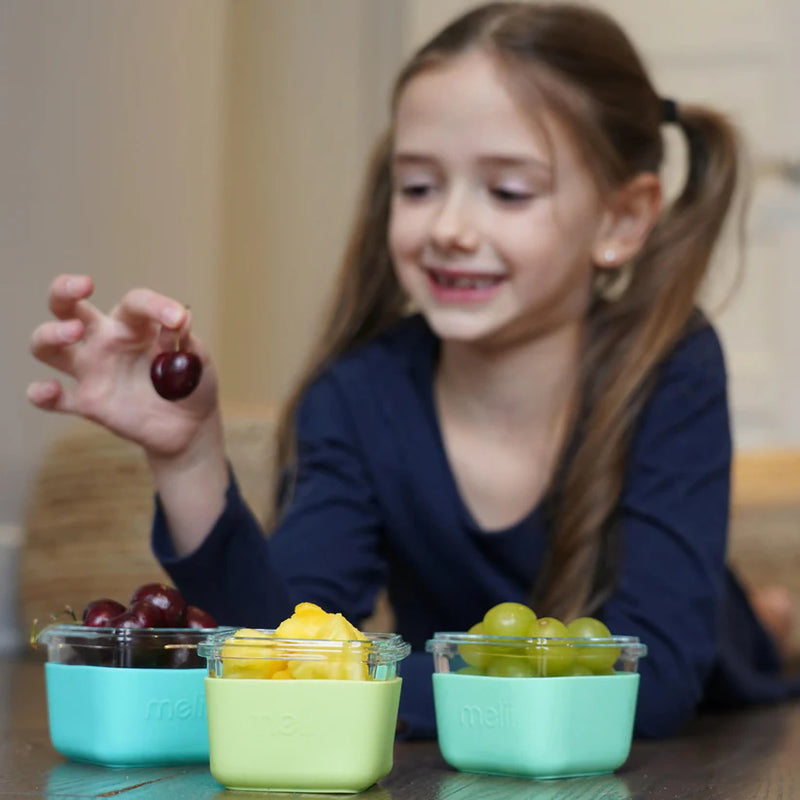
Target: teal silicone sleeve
{"x": 127, "y": 717}
{"x": 535, "y": 727}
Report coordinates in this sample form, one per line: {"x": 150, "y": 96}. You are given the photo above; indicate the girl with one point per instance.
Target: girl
{"x": 514, "y": 396}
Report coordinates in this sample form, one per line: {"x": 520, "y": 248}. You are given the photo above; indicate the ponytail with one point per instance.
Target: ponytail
{"x": 627, "y": 339}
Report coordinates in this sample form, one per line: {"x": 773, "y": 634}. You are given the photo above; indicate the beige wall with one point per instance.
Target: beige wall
{"x": 307, "y": 91}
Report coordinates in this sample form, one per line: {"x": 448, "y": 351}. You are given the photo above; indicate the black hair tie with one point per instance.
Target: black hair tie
{"x": 669, "y": 111}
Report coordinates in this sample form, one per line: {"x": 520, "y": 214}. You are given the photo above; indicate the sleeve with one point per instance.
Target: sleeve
{"x": 326, "y": 549}
{"x": 674, "y": 519}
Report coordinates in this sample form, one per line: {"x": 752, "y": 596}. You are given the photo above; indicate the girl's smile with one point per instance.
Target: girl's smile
{"x": 449, "y": 284}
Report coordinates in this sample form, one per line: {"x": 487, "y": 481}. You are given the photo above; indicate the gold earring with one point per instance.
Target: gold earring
{"x": 611, "y": 284}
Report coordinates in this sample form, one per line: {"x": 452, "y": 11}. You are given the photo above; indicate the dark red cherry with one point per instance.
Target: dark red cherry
{"x": 197, "y": 618}
{"x": 139, "y": 615}
{"x": 175, "y": 374}
{"x": 98, "y": 613}
{"x": 166, "y": 599}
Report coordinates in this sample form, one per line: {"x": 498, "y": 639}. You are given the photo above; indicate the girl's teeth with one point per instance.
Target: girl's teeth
{"x": 462, "y": 282}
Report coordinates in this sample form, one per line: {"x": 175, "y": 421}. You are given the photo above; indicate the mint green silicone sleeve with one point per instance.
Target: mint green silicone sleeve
{"x": 535, "y": 727}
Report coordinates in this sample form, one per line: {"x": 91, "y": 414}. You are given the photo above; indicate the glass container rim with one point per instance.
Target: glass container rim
{"x": 444, "y": 638}
{"x": 383, "y": 647}
{"x": 66, "y": 632}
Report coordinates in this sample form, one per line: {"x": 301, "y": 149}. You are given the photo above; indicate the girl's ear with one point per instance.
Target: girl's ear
{"x": 630, "y": 215}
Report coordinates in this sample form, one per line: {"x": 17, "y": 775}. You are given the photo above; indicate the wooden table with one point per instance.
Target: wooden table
{"x": 750, "y": 755}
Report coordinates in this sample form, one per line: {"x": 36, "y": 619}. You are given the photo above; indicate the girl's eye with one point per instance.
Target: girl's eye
{"x": 511, "y": 196}
{"x": 415, "y": 191}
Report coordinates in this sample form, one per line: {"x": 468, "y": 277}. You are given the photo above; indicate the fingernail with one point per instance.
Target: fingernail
{"x": 73, "y": 284}
{"x": 172, "y": 316}
{"x": 40, "y": 391}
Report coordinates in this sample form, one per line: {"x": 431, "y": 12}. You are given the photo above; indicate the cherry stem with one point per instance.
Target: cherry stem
{"x": 178, "y": 335}
{"x": 34, "y": 638}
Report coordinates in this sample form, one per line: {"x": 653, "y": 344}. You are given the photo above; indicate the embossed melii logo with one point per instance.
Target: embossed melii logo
{"x": 183, "y": 708}
{"x": 494, "y": 716}
{"x": 280, "y": 724}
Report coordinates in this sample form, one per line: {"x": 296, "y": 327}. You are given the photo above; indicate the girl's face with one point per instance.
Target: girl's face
{"x": 493, "y": 230}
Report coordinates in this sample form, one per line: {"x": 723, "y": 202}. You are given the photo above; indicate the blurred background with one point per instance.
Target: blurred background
{"x": 214, "y": 149}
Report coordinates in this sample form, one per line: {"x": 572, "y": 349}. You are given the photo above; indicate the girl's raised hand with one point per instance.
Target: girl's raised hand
{"x": 108, "y": 356}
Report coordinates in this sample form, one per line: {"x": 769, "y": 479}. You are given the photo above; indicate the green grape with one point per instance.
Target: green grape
{"x": 550, "y": 659}
{"x": 588, "y": 628}
{"x": 508, "y": 619}
{"x": 511, "y": 667}
{"x": 598, "y": 658}
{"x": 476, "y": 655}
{"x": 469, "y": 670}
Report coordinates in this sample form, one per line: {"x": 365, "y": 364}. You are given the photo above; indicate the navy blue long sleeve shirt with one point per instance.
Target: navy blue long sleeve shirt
{"x": 376, "y": 504}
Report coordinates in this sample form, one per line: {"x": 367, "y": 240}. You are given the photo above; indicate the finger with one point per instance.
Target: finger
{"x": 67, "y": 298}
{"x": 51, "y": 396}
{"x": 143, "y": 308}
{"x": 180, "y": 338}
{"x": 51, "y": 340}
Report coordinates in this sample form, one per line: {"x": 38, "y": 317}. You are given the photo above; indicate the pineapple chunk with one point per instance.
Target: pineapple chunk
{"x": 309, "y": 622}
{"x": 247, "y": 659}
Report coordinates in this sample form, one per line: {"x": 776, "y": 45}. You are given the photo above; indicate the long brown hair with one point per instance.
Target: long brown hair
{"x": 582, "y": 66}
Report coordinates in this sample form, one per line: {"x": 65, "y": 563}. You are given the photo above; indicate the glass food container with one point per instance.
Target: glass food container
{"x": 126, "y": 697}
{"x": 304, "y": 715}
{"x": 535, "y": 707}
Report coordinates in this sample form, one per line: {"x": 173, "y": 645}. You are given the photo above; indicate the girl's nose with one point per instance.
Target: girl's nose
{"x": 454, "y": 226}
